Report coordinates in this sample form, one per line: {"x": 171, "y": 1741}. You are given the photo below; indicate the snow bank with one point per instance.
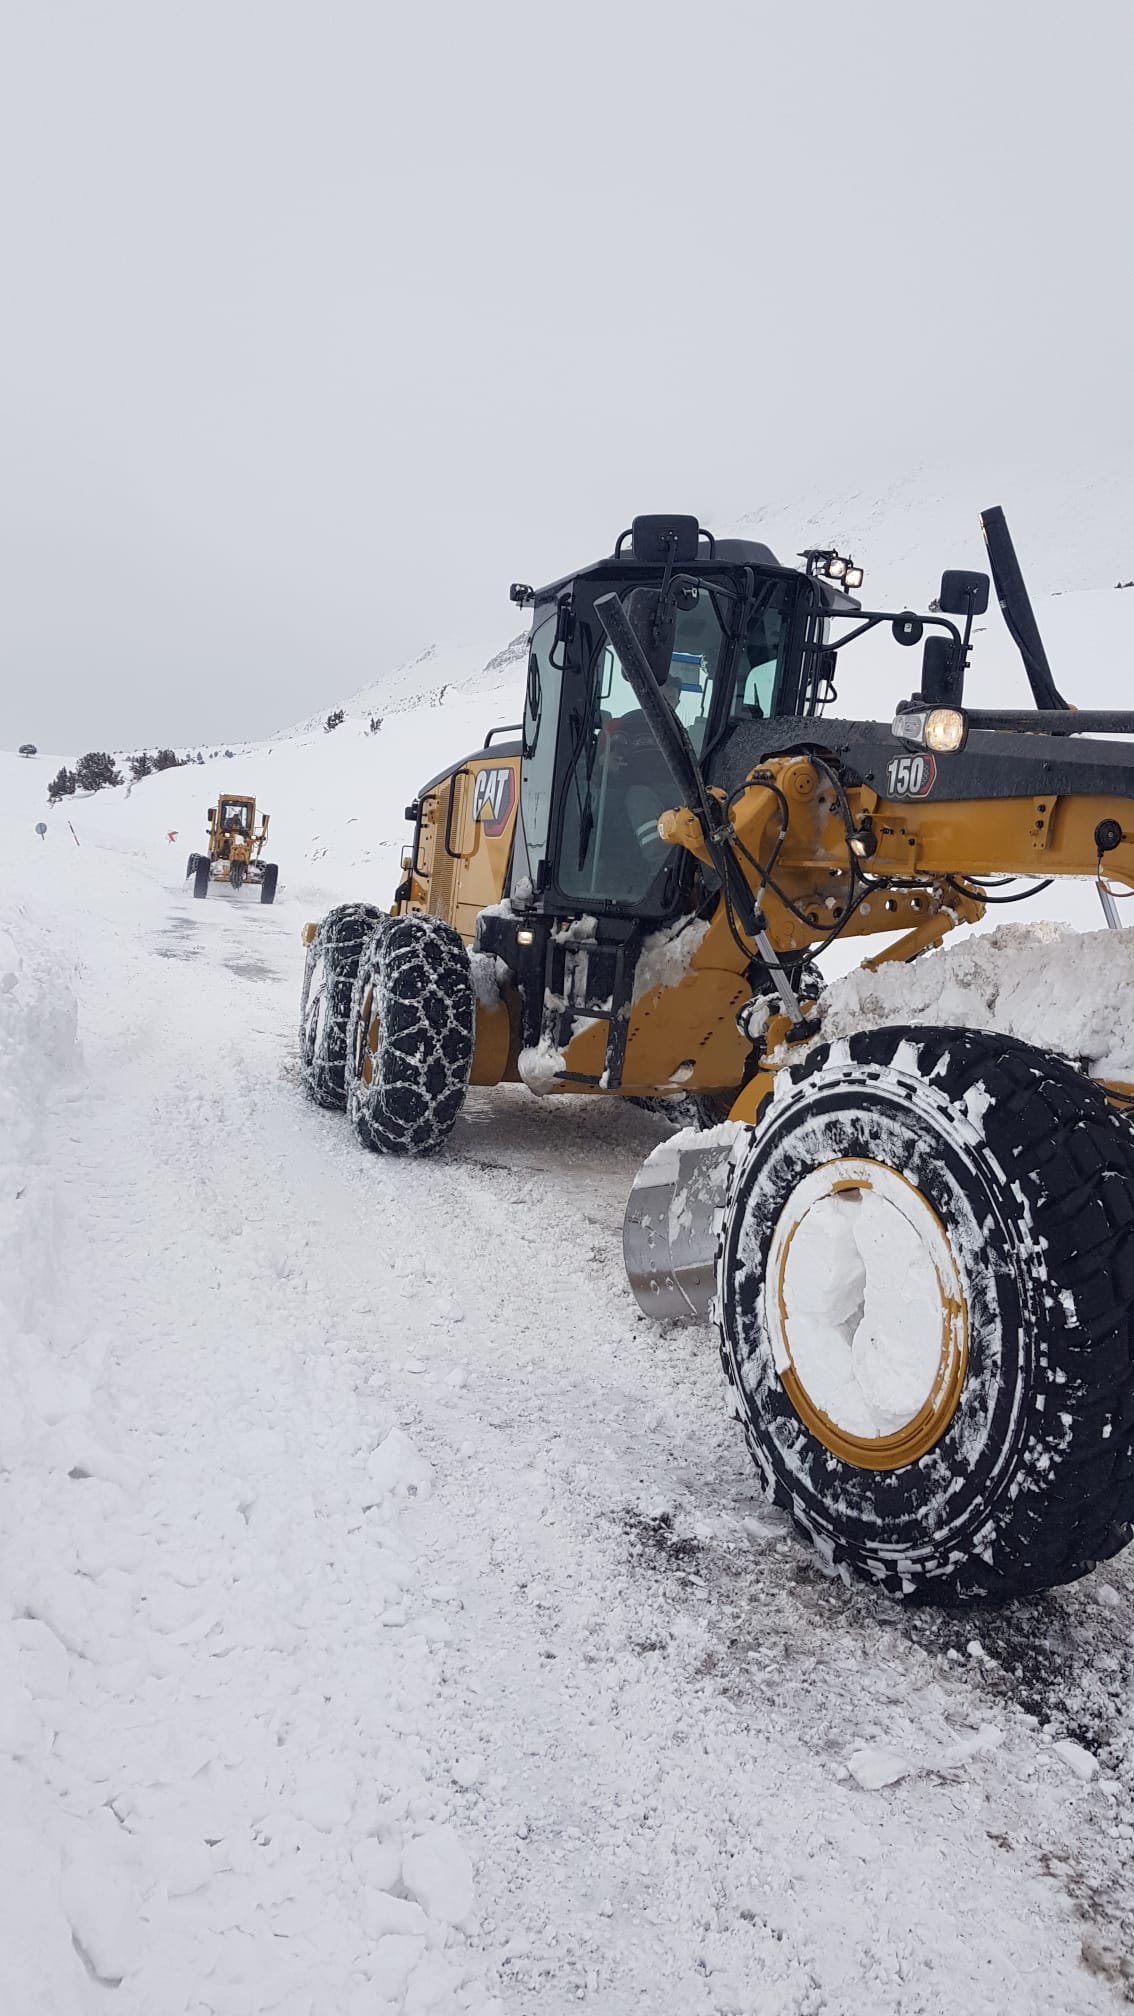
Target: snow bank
{"x": 38, "y": 1049}
{"x": 217, "y": 1657}
{"x": 38, "y": 1054}
{"x": 1064, "y": 990}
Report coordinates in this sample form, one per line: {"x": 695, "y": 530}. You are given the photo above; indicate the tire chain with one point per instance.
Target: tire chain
{"x": 418, "y": 969}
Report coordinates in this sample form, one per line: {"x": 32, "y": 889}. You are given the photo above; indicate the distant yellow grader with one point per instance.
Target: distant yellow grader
{"x": 236, "y": 848}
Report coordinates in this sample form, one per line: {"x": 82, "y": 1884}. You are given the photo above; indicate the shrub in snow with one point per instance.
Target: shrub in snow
{"x": 335, "y": 720}
{"x": 375, "y": 723}
{"x": 95, "y": 770}
{"x": 27, "y": 749}
{"x": 140, "y": 766}
{"x": 167, "y": 759}
{"x": 62, "y": 785}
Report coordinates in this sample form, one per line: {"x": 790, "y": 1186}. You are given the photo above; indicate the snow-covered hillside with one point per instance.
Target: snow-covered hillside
{"x": 336, "y": 801}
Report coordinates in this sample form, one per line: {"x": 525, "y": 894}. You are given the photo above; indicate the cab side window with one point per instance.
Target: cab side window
{"x": 760, "y": 658}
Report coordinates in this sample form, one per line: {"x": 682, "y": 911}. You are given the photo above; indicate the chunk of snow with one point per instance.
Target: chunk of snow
{"x": 1078, "y": 1760}
{"x": 397, "y": 1465}
{"x": 438, "y": 1873}
{"x": 667, "y": 955}
{"x": 873, "y": 1768}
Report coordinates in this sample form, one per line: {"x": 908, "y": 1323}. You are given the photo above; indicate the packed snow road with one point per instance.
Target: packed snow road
{"x": 388, "y": 1620}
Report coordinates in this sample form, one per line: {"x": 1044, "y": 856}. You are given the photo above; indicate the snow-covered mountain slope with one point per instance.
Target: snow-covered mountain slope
{"x": 424, "y": 681}
{"x": 1072, "y": 528}
{"x": 389, "y": 1623}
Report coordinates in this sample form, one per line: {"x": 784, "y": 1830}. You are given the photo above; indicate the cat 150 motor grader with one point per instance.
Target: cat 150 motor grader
{"x": 916, "y": 1243}
{"x": 236, "y": 846}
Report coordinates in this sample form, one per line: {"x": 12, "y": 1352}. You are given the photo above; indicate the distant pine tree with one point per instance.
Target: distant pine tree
{"x": 335, "y": 720}
{"x": 140, "y": 766}
{"x": 167, "y": 759}
{"x": 62, "y": 785}
{"x": 96, "y": 770}
{"x": 28, "y": 749}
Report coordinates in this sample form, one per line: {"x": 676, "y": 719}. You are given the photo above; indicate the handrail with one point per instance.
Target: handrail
{"x": 454, "y": 855}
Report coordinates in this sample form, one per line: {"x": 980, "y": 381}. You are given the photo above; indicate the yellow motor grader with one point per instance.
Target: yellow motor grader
{"x": 236, "y": 847}
{"x": 917, "y": 1243}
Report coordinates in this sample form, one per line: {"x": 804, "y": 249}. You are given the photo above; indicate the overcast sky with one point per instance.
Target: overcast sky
{"x": 320, "y": 323}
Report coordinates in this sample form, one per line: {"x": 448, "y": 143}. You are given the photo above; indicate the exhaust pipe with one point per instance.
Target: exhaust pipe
{"x": 1016, "y": 608}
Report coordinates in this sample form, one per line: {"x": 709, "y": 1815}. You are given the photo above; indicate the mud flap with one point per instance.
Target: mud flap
{"x": 673, "y": 1219}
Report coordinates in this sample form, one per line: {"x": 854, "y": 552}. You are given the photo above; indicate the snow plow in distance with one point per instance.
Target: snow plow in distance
{"x": 915, "y": 1243}
{"x": 236, "y": 847}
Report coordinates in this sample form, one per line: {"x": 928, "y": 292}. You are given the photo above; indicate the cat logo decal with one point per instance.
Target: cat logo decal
{"x": 494, "y": 797}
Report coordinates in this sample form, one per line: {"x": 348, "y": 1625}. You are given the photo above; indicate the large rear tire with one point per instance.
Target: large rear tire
{"x": 201, "y": 875}
{"x": 268, "y": 884}
{"x": 412, "y": 1033}
{"x": 925, "y": 1282}
{"x": 328, "y": 986}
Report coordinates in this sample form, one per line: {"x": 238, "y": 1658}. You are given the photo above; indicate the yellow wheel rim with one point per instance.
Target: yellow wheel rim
{"x": 367, "y": 1037}
{"x": 867, "y": 1313}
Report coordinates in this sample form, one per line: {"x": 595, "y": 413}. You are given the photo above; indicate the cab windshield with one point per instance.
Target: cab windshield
{"x": 618, "y": 781}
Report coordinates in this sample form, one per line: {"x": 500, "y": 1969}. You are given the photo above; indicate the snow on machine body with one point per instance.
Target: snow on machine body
{"x": 236, "y": 849}
{"x": 916, "y": 1244}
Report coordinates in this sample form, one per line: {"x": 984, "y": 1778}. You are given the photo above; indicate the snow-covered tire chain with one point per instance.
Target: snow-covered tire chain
{"x": 328, "y": 989}
{"x": 1031, "y": 1175}
{"x": 414, "y": 984}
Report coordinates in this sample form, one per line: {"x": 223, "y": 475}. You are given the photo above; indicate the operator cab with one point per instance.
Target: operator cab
{"x": 235, "y": 816}
{"x": 732, "y": 637}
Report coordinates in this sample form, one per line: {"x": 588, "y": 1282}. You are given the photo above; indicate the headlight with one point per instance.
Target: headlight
{"x": 942, "y": 729}
{"x": 945, "y": 730}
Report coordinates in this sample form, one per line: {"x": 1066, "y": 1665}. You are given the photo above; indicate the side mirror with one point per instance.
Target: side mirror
{"x": 942, "y": 673}
{"x": 963, "y": 593}
{"x": 658, "y": 539}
